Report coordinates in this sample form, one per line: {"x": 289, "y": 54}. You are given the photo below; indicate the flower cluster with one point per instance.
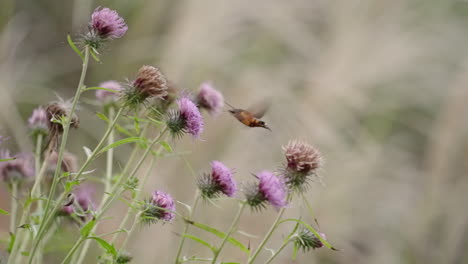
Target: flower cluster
{"x": 161, "y": 206}
{"x": 218, "y": 181}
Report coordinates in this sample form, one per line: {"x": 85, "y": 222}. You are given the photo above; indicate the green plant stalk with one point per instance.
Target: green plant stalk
{"x": 130, "y": 232}
{"x": 106, "y": 202}
{"x": 187, "y": 226}
{"x": 66, "y": 129}
{"x": 268, "y": 235}
{"x": 141, "y": 184}
{"x": 109, "y": 154}
{"x": 49, "y": 235}
{"x": 14, "y": 207}
{"x": 230, "y": 231}
{"x": 285, "y": 243}
{"x": 64, "y": 194}
{"x": 72, "y": 251}
{"x": 37, "y": 163}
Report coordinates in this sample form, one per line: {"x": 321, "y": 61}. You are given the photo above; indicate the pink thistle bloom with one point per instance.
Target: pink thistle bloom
{"x": 210, "y": 99}
{"x": 272, "y": 188}
{"x": 21, "y": 168}
{"x": 107, "y": 23}
{"x": 107, "y": 96}
{"x": 163, "y": 200}
{"x": 222, "y": 177}
{"x": 191, "y": 116}
{"x": 38, "y": 120}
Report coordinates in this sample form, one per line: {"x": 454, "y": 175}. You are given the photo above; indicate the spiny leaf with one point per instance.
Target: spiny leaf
{"x": 201, "y": 241}
{"x": 86, "y": 229}
{"x": 1, "y": 160}
{"x": 105, "y": 245}
{"x": 120, "y": 142}
{"x": 3, "y": 212}
{"x": 11, "y": 242}
{"x": 220, "y": 234}
{"x": 73, "y": 46}
{"x": 95, "y": 54}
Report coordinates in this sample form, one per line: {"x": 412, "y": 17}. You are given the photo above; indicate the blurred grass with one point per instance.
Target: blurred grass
{"x": 379, "y": 86}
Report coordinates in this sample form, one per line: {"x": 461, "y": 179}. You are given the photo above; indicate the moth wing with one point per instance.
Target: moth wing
{"x": 259, "y": 109}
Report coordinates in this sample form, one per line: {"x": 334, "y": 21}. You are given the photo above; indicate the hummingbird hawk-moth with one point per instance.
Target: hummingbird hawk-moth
{"x": 251, "y": 116}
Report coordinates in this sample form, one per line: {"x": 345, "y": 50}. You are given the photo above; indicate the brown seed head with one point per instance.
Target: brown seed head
{"x": 150, "y": 82}
{"x": 302, "y": 157}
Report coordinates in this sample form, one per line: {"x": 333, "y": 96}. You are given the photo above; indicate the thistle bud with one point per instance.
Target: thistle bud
{"x": 306, "y": 240}
{"x": 269, "y": 189}
{"x": 187, "y": 119}
{"x": 160, "y": 206}
{"x": 219, "y": 181}
{"x": 302, "y": 161}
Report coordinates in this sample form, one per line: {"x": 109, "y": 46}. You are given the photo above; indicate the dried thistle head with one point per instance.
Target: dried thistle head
{"x": 302, "y": 161}
{"x": 57, "y": 112}
{"x": 150, "y": 82}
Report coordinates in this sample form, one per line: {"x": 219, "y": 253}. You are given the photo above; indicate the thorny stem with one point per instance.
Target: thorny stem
{"x": 187, "y": 226}
{"x": 268, "y": 235}
{"x": 14, "y": 206}
{"x": 110, "y": 154}
{"x": 231, "y": 230}
{"x": 135, "y": 222}
{"x": 285, "y": 243}
{"x": 141, "y": 184}
{"x": 106, "y": 202}
{"x": 66, "y": 129}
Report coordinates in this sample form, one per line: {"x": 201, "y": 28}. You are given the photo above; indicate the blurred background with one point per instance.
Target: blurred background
{"x": 380, "y": 87}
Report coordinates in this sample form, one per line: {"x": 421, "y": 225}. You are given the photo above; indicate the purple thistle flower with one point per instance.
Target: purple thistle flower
{"x": 107, "y": 97}
{"x": 210, "y": 99}
{"x": 107, "y": 23}
{"x": 220, "y": 180}
{"x": 272, "y": 188}
{"x": 161, "y": 206}
{"x": 38, "y": 121}
{"x": 21, "y": 168}
{"x": 188, "y": 119}
{"x": 191, "y": 115}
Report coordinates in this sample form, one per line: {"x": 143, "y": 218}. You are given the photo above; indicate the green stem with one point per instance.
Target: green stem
{"x": 72, "y": 251}
{"x": 129, "y": 234}
{"x": 229, "y": 233}
{"x": 37, "y": 162}
{"x": 268, "y": 235}
{"x": 285, "y": 243}
{"x": 47, "y": 237}
{"x": 106, "y": 202}
{"x": 110, "y": 154}
{"x": 14, "y": 207}
{"x": 187, "y": 226}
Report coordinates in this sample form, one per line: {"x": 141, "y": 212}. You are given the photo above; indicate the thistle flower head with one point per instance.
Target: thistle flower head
{"x": 150, "y": 82}
{"x": 270, "y": 188}
{"x": 38, "y": 121}
{"x": 306, "y": 240}
{"x": 219, "y": 181}
{"x": 302, "y": 161}
{"x": 56, "y": 112}
{"x": 19, "y": 169}
{"x": 161, "y": 206}
{"x": 107, "y": 23}
{"x": 108, "y": 97}
{"x": 187, "y": 119}
{"x": 210, "y": 99}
